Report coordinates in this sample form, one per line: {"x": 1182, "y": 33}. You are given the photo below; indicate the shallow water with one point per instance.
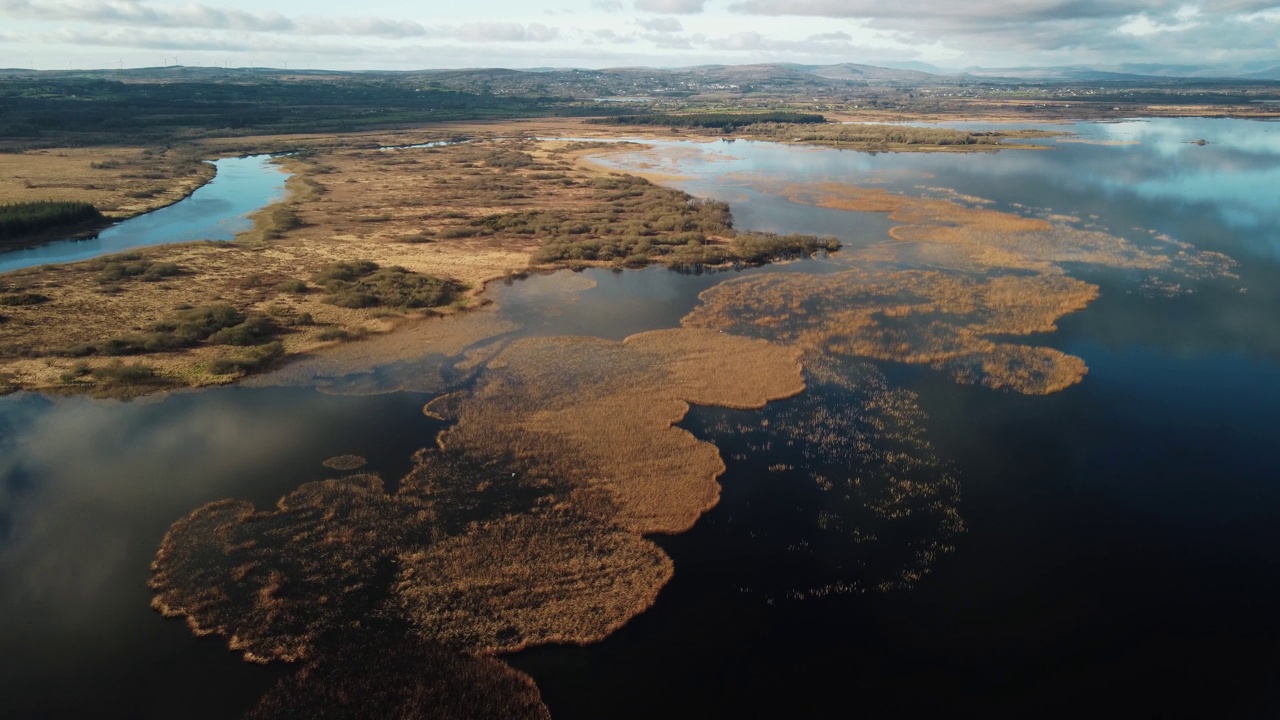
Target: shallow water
{"x": 218, "y": 210}
{"x": 1120, "y": 546}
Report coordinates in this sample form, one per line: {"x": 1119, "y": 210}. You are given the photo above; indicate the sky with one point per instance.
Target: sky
{"x": 402, "y": 35}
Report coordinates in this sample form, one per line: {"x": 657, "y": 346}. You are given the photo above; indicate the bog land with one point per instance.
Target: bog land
{"x": 368, "y": 239}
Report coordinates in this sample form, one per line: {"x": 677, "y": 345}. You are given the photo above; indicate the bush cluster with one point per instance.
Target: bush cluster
{"x": 132, "y": 266}
{"x": 21, "y": 219}
{"x": 212, "y": 324}
{"x": 363, "y": 284}
{"x": 24, "y": 298}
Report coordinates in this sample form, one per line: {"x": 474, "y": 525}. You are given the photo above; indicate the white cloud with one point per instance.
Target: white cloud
{"x": 671, "y": 7}
{"x": 665, "y": 25}
{"x": 741, "y": 41}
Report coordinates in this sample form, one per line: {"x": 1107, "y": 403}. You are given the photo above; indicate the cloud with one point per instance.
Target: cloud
{"x": 741, "y": 41}
{"x": 506, "y": 32}
{"x": 136, "y": 14}
{"x": 1045, "y": 31}
{"x": 197, "y": 41}
{"x": 607, "y": 5}
{"x": 671, "y": 7}
{"x": 665, "y": 25}
{"x": 666, "y": 41}
{"x": 1015, "y": 10}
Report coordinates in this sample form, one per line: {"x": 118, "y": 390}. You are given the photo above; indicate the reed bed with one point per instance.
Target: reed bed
{"x": 950, "y": 233}
{"x": 334, "y": 553}
{"x": 379, "y": 675}
{"x": 944, "y": 320}
{"x": 603, "y": 414}
{"x": 533, "y": 579}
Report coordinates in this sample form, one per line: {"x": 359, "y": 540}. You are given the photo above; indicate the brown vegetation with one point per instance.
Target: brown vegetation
{"x": 273, "y": 582}
{"x": 945, "y": 320}
{"x": 476, "y": 211}
{"x": 484, "y": 561}
{"x": 381, "y": 675}
{"x": 897, "y": 138}
{"x": 947, "y": 233}
{"x": 603, "y": 414}
{"x": 533, "y": 579}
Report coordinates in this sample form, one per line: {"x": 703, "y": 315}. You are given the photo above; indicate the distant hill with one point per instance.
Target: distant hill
{"x": 1268, "y": 74}
{"x": 850, "y": 71}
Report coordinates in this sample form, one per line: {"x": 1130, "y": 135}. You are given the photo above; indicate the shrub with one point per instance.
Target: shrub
{"x": 123, "y": 267}
{"x": 21, "y": 219}
{"x": 253, "y": 331}
{"x": 363, "y": 285}
{"x": 20, "y": 299}
{"x": 254, "y": 360}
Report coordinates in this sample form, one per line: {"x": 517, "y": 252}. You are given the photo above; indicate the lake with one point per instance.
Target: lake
{"x": 1112, "y": 545}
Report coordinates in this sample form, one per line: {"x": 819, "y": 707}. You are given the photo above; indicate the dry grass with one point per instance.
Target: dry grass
{"x": 274, "y": 582}
{"x": 532, "y": 579}
{"x": 945, "y": 320}
{"x": 947, "y": 233}
{"x": 472, "y": 556}
{"x": 602, "y": 414}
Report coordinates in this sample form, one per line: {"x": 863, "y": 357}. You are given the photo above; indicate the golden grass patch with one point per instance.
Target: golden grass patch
{"x": 944, "y": 320}
{"x": 603, "y": 413}
{"x": 527, "y": 580}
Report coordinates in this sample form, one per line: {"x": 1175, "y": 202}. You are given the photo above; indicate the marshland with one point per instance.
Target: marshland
{"x": 560, "y": 434}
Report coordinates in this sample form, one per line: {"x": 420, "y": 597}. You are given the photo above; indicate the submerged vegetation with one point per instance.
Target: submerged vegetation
{"x": 874, "y": 507}
{"x": 345, "y": 463}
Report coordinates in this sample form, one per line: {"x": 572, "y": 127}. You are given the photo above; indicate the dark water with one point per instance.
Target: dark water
{"x": 218, "y": 210}
{"x": 1122, "y": 554}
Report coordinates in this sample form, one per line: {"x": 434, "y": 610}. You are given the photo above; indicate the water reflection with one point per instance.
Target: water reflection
{"x": 88, "y": 488}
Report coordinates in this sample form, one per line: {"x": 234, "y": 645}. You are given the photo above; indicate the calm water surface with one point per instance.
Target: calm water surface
{"x": 1122, "y": 553}
{"x": 218, "y": 210}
